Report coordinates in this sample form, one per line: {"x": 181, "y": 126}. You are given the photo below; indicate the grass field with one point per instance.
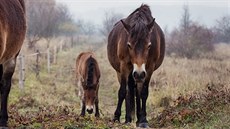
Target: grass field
{"x": 184, "y": 93}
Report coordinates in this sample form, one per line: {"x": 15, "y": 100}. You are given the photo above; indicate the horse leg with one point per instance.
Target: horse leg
{"x": 138, "y": 103}
{"x": 144, "y": 95}
{"x": 131, "y": 84}
{"x": 82, "y": 108}
{"x": 7, "y": 70}
{"x": 97, "y": 108}
{"x": 121, "y": 97}
{"x": 128, "y": 117}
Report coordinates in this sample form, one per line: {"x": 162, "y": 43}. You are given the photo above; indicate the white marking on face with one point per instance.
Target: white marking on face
{"x": 89, "y": 107}
{"x": 139, "y": 69}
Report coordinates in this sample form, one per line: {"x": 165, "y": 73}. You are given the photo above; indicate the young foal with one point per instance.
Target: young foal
{"x": 88, "y": 75}
{"x": 12, "y": 34}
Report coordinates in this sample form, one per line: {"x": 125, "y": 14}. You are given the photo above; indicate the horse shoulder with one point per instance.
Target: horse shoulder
{"x": 160, "y": 46}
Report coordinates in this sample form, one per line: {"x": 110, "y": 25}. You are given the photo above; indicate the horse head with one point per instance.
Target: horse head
{"x": 139, "y": 45}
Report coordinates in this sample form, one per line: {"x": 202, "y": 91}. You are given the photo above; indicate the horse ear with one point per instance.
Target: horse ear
{"x": 126, "y": 26}
{"x": 151, "y": 25}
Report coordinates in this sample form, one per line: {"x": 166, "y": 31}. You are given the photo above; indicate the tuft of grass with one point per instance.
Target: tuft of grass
{"x": 197, "y": 110}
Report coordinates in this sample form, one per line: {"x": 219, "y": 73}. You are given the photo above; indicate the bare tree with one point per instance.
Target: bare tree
{"x": 34, "y": 17}
{"x": 185, "y": 19}
{"x": 109, "y": 20}
{"x": 44, "y": 19}
{"x": 222, "y": 29}
{"x": 190, "y": 39}
{"x": 88, "y": 28}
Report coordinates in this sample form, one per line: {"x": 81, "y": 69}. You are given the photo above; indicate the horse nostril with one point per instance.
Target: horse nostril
{"x": 135, "y": 74}
{"x": 142, "y": 75}
{"x": 139, "y": 76}
{"x": 90, "y": 111}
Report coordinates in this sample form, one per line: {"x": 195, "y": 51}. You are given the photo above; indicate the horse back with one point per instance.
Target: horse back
{"x": 81, "y": 65}
{"x": 12, "y": 28}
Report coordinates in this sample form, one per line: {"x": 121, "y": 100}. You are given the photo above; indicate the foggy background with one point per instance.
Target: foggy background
{"x": 166, "y": 12}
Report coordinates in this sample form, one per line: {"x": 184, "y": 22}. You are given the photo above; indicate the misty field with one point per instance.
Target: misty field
{"x": 184, "y": 93}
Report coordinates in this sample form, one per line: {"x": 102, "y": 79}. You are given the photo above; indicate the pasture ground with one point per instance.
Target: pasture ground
{"x": 184, "y": 93}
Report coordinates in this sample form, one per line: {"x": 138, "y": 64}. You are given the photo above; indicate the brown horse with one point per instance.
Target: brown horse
{"x": 136, "y": 47}
{"x": 12, "y": 34}
{"x": 88, "y": 75}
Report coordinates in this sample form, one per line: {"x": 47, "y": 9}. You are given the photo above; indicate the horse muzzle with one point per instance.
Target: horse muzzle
{"x": 139, "y": 76}
{"x": 89, "y": 109}
{"x": 139, "y": 72}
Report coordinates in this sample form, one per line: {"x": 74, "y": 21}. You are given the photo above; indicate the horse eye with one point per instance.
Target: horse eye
{"x": 129, "y": 45}
{"x": 149, "y": 45}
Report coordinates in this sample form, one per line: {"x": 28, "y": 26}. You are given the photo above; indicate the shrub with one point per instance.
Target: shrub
{"x": 192, "y": 42}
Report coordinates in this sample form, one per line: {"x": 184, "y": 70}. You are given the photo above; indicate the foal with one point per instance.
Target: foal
{"x": 88, "y": 75}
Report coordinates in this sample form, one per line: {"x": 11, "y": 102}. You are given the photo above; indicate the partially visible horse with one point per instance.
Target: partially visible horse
{"x": 88, "y": 75}
{"x": 12, "y": 34}
{"x": 136, "y": 47}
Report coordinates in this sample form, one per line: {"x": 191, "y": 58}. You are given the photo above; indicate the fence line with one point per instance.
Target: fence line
{"x": 21, "y": 71}
{"x": 21, "y": 59}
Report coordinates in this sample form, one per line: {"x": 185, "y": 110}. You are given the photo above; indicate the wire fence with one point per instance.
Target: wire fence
{"x": 21, "y": 64}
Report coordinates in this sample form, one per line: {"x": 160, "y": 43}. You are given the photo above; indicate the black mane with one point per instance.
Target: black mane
{"x": 138, "y": 21}
{"x": 90, "y": 72}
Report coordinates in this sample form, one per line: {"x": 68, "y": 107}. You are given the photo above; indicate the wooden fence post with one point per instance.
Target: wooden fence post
{"x": 55, "y": 55}
{"x": 21, "y": 71}
{"x": 48, "y": 59}
{"x": 37, "y": 68}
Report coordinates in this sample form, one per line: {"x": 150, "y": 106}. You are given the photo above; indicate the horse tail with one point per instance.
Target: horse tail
{"x": 90, "y": 66}
{"x": 22, "y": 2}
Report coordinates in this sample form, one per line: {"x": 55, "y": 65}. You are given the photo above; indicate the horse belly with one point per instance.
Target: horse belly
{"x": 9, "y": 50}
{"x": 2, "y": 43}
{"x": 112, "y": 53}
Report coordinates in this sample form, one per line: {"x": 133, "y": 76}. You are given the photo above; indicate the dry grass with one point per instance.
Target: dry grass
{"x": 182, "y": 76}
{"x": 176, "y": 77}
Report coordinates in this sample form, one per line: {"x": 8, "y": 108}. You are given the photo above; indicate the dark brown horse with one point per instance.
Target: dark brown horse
{"x": 136, "y": 47}
{"x": 88, "y": 75}
{"x": 12, "y": 34}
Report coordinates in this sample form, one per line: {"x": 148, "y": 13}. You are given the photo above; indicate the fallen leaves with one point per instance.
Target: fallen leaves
{"x": 191, "y": 108}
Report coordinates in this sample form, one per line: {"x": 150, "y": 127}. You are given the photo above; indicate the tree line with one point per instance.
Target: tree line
{"x": 191, "y": 39}
{"x": 49, "y": 19}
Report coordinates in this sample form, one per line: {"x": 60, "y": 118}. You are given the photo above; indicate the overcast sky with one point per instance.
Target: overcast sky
{"x": 166, "y": 12}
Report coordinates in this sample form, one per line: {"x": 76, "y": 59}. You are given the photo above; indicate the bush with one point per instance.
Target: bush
{"x": 190, "y": 42}
{"x": 222, "y": 29}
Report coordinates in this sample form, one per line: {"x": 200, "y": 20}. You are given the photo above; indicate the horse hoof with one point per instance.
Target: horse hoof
{"x": 82, "y": 115}
{"x": 3, "y": 125}
{"x": 127, "y": 122}
{"x": 116, "y": 120}
{"x": 97, "y": 115}
{"x": 143, "y": 125}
